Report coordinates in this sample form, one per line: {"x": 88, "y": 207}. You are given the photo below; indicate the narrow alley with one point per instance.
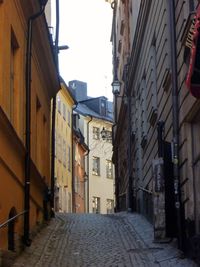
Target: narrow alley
{"x": 94, "y": 240}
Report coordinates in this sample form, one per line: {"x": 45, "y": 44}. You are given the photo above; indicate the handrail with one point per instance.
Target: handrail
{"x": 12, "y": 219}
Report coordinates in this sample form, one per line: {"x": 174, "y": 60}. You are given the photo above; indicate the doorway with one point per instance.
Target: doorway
{"x": 11, "y": 230}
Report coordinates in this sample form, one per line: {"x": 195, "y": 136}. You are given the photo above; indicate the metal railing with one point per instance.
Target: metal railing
{"x": 12, "y": 219}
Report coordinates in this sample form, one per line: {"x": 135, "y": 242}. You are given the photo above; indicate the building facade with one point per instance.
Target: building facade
{"x": 63, "y": 150}
{"x": 80, "y": 151}
{"x": 101, "y": 172}
{"x": 25, "y": 115}
{"x": 96, "y": 124}
{"x": 155, "y": 140}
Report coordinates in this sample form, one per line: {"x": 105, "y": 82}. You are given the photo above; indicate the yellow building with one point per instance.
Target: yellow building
{"x": 63, "y": 150}
{"x": 25, "y": 125}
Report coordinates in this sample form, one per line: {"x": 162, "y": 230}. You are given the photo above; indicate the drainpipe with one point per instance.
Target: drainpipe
{"x": 117, "y": 206}
{"x": 88, "y": 165}
{"x": 130, "y": 190}
{"x": 53, "y": 118}
{"x": 175, "y": 115}
{"x": 26, "y": 237}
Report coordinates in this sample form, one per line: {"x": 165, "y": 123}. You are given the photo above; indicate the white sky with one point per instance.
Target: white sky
{"x": 85, "y": 26}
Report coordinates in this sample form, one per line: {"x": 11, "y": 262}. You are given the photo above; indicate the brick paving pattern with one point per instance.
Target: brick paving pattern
{"x": 94, "y": 240}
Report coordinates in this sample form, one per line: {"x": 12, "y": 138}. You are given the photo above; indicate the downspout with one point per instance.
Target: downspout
{"x": 85, "y": 179}
{"x": 130, "y": 190}
{"x": 73, "y": 160}
{"x": 175, "y": 117}
{"x": 53, "y": 119}
{"x": 88, "y": 166}
{"x": 26, "y": 237}
{"x": 117, "y": 206}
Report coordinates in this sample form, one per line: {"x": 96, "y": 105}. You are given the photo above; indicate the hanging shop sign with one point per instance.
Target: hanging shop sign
{"x": 193, "y": 42}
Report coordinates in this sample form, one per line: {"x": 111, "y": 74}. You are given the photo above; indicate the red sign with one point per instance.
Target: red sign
{"x": 193, "y": 76}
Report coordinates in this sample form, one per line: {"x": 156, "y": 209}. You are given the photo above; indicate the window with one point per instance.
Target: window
{"x": 96, "y": 133}
{"x": 153, "y": 87}
{"x": 122, "y": 27}
{"x": 142, "y": 102}
{"x": 109, "y": 169}
{"x": 69, "y": 159}
{"x": 82, "y": 162}
{"x": 13, "y": 72}
{"x": 38, "y": 130}
{"x": 138, "y": 151}
{"x": 110, "y": 206}
{"x": 96, "y": 166}
{"x": 96, "y": 204}
{"x": 59, "y": 148}
{"x": 59, "y": 104}
{"x": 76, "y": 184}
{"x": 64, "y": 112}
{"x": 64, "y": 153}
{"x": 103, "y": 107}
{"x": 109, "y": 137}
{"x": 55, "y": 144}
{"x": 69, "y": 117}
{"x": 191, "y": 5}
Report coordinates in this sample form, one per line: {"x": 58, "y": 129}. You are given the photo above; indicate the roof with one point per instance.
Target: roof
{"x": 86, "y": 111}
{"x": 67, "y": 89}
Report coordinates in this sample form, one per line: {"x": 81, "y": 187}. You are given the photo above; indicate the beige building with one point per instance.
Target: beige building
{"x": 96, "y": 125}
{"x": 101, "y": 175}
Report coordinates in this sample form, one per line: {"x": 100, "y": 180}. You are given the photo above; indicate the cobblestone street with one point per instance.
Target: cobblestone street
{"x": 93, "y": 240}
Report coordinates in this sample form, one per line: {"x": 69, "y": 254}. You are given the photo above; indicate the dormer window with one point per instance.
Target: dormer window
{"x": 103, "y": 107}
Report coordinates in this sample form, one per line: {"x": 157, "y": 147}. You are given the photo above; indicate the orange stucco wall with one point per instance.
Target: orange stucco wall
{"x": 79, "y": 173}
{"x": 13, "y": 21}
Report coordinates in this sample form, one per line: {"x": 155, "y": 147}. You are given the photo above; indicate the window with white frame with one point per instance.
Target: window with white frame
{"x": 59, "y": 150}
{"x": 110, "y": 206}
{"x": 69, "y": 117}
{"x": 64, "y": 111}
{"x": 96, "y": 166}
{"x": 109, "y": 136}
{"x": 109, "y": 169}
{"x": 96, "y": 204}
{"x": 56, "y": 144}
{"x": 59, "y": 104}
{"x": 96, "y": 133}
{"x": 64, "y": 153}
{"x": 69, "y": 159}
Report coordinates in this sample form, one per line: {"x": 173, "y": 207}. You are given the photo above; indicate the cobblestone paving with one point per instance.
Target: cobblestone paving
{"x": 93, "y": 240}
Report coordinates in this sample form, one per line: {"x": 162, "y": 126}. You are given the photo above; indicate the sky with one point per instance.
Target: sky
{"x": 85, "y": 26}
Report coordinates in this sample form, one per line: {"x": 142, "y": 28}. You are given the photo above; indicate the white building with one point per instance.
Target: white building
{"x": 95, "y": 115}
